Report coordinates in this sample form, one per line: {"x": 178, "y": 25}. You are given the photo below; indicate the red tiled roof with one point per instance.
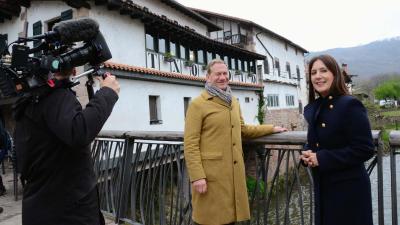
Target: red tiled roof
{"x": 142, "y": 70}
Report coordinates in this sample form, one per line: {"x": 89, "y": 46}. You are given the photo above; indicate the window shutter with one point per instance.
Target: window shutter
{"x": 37, "y": 29}
{"x": 3, "y": 42}
{"x": 66, "y": 15}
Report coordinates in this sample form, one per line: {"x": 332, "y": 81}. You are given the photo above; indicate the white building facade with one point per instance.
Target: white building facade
{"x": 282, "y": 71}
{"x": 160, "y": 50}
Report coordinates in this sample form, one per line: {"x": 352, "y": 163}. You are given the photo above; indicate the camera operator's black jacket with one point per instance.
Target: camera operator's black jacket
{"x": 52, "y": 142}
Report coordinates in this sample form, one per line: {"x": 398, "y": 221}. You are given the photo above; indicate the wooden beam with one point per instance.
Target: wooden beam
{"x": 25, "y": 3}
{"x": 136, "y": 14}
{"x": 114, "y": 4}
{"x": 5, "y": 15}
{"x": 125, "y": 10}
{"x": 78, "y": 3}
{"x": 100, "y": 2}
{"x": 9, "y": 8}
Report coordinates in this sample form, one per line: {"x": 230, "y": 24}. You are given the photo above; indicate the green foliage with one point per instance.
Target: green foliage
{"x": 391, "y": 113}
{"x": 261, "y": 108}
{"x": 252, "y": 183}
{"x": 388, "y": 90}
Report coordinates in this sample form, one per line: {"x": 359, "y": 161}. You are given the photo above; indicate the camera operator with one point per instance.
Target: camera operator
{"x": 53, "y": 137}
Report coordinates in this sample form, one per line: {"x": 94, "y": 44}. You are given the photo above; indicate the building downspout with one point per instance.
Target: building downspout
{"x": 272, "y": 58}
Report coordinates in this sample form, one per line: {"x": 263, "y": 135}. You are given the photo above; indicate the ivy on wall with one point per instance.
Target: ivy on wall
{"x": 261, "y": 107}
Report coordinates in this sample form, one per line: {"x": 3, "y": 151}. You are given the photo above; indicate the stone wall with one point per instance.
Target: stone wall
{"x": 293, "y": 121}
{"x": 289, "y": 118}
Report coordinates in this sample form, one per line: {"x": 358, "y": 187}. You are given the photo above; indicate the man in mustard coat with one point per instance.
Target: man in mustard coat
{"x": 213, "y": 151}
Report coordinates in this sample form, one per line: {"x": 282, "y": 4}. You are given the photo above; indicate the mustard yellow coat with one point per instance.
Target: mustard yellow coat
{"x": 213, "y": 150}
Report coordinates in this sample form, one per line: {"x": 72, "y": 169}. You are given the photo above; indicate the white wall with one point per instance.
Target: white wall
{"x": 282, "y": 91}
{"x": 277, "y": 49}
{"x": 12, "y": 28}
{"x": 131, "y": 112}
{"x": 125, "y": 37}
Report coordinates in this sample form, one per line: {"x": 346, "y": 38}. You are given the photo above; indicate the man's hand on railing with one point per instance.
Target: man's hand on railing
{"x": 309, "y": 158}
{"x": 200, "y": 186}
{"x": 278, "y": 129}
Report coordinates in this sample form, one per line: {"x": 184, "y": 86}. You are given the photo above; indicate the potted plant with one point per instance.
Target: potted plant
{"x": 204, "y": 67}
{"x": 237, "y": 72}
{"x": 168, "y": 57}
{"x": 189, "y": 63}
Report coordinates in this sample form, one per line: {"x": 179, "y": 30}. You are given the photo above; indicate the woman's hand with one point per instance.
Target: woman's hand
{"x": 309, "y": 158}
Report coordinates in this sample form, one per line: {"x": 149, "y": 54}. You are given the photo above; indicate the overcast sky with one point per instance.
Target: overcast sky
{"x": 315, "y": 24}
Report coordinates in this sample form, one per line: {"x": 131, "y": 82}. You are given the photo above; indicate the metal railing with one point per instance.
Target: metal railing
{"x": 394, "y": 140}
{"x": 236, "y": 39}
{"x": 143, "y": 180}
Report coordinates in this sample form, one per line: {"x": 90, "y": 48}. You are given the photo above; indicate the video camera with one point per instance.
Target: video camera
{"x": 22, "y": 73}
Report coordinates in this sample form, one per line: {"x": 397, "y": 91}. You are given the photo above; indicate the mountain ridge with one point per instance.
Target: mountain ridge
{"x": 373, "y": 59}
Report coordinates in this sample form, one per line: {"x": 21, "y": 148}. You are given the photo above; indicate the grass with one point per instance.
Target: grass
{"x": 391, "y": 113}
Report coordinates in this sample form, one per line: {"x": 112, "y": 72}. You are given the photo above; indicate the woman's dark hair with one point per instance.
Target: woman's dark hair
{"x": 338, "y": 85}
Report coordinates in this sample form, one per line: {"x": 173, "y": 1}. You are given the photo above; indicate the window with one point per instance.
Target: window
{"x": 289, "y": 100}
{"x": 37, "y": 29}
{"x": 247, "y": 99}
{"x": 288, "y": 70}
{"x": 209, "y": 57}
{"x": 186, "y": 102}
{"x": 245, "y": 68}
{"x": 51, "y": 23}
{"x": 252, "y": 67}
{"x": 200, "y": 56}
{"x": 298, "y": 72}
{"x": 272, "y": 100}
{"x": 277, "y": 66}
{"x": 259, "y": 69}
{"x": 192, "y": 55}
{"x": 150, "y": 42}
{"x": 286, "y": 46}
{"x": 266, "y": 66}
{"x": 239, "y": 64}
{"x": 172, "y": 48}
{"x": 227, "y": 35}
{"x": 66, "y": 15}
{"x": 182, "y": 52}
{"x": 162, "y": 45}
{"x": 233, "y": 64}
{"x": 155, "y": 112}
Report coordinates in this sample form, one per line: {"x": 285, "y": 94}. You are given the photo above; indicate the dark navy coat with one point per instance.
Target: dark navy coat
{"x": 339, "y": 132}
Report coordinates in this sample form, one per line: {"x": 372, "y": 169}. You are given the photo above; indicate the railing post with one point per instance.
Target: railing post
{"x": 123, "y": 184}
{"x": 393, "y": 185}
{"x": 381, "y": 220}
{"x": 393, "y": 174}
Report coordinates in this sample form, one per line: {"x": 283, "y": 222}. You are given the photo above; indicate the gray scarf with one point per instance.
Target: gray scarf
{"x": 215, "y": 91}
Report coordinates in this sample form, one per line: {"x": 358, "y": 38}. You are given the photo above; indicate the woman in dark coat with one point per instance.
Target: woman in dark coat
{"x": 339, "y": 142}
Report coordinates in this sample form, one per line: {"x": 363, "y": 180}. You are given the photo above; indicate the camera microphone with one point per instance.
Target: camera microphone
{"x": 83, "y": 29}
{"x": 70, "y": 31}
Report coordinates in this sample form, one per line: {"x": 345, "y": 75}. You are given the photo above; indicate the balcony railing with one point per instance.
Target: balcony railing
{"x": 236, "y": 39}
{"x": 143, "y": 180}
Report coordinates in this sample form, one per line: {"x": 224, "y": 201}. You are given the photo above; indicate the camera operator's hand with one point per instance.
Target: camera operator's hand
{"x": 111, "y": 82}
